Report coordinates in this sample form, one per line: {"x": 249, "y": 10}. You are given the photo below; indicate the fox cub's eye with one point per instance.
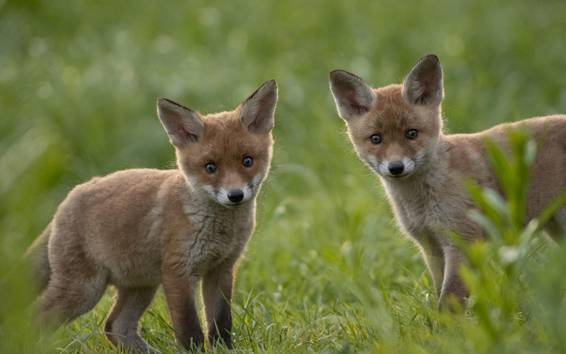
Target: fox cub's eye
{"x": 247, "y": 161}
{"x": 375, "y": 139}
{"x": 210, "y": 168}
{"x": 411, "y": 134}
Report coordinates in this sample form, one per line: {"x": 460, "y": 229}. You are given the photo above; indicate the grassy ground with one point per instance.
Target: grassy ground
{"x": 327, "y": 270}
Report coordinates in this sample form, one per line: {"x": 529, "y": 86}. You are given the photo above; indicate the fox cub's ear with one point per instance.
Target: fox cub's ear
{"x": 352, "y": 95}
{"x": 182, "y": 124}
{"x": 256, "y": 112}
{"x": 423, "y": 84}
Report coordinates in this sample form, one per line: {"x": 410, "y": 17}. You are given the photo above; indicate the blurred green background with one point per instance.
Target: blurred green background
{"x": 327, "y": 269}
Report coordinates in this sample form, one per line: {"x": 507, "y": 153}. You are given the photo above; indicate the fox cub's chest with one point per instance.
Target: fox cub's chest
{"x": 215, "y": 239}
{"x": 430, "y": 215}
{"x": 425, "y": 209}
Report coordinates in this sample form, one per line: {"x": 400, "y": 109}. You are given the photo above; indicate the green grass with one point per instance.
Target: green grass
{"x": 327, "y": 269}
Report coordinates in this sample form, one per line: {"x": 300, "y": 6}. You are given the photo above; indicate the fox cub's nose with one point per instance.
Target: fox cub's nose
{"x": 236, "y": 195}
{"x": 396, "y": 167}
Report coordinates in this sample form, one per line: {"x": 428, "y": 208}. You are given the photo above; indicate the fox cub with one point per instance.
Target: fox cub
{"x": 397, "y": 131}
{"x": 137, "y": 229}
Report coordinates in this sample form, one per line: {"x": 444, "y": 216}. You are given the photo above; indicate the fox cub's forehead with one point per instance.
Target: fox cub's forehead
{"x": 390, "y": 108}
{"x": 224, "y": 123}
{"x": 390, "y": 101}
{"x": 226, "y": 131}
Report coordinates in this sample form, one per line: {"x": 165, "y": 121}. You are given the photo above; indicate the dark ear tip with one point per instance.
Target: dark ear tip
{"x": 340, "y": 75}
{"x": 162, "y": 101}
{"x": 170, "y": 105}
{"x": 433, "y": 58}
{"x": 271, "y": 84}
{"x": 337, "y": 73}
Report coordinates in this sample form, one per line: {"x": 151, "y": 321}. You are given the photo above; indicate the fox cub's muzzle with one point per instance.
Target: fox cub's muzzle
{"x": 236, "y": 195}
{"x": 396, "y": 168}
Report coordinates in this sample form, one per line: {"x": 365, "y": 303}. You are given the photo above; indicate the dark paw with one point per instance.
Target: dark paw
{"x": 193, "y": 342}
{"x": 225, "y": 340}
{"x": 452, "y": 303}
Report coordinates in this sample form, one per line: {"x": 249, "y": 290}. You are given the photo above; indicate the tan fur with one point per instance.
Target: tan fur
{"x": 432, "y": 199}
{"x": 137, "y": 229}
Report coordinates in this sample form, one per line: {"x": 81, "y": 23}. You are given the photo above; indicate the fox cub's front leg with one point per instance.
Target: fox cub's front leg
{"x": 217, "y": 295}
{"x": 443, "y": 261}
{"x": 179, "y": 289}
{"x": 453, "y": 287}
{"x": 434, "y": 259}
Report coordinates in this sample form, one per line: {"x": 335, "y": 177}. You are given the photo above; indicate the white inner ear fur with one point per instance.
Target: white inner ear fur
{"x": 182, "y": 124}
{"x": 423, "y": 84}
{"x": 352, "y": 96}
{"x": 257, "y": 111}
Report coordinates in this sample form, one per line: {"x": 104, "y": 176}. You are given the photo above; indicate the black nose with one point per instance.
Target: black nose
{"x": 396, "y": 167}
{"x": 236, "y": 195}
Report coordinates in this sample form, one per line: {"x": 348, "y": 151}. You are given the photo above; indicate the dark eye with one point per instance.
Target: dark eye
{"x": 375, "y": 139}
{"x": 247, "y": 161}
{"x": 210, "y": 168}
{"x": 411, "y": 134}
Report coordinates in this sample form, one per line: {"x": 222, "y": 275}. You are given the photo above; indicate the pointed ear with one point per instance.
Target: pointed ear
{"x": 256, "y": 112}
{"x": 352, "y": 95}
{"x": 423, "y": 84}
{"x": 182, "y": 124}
